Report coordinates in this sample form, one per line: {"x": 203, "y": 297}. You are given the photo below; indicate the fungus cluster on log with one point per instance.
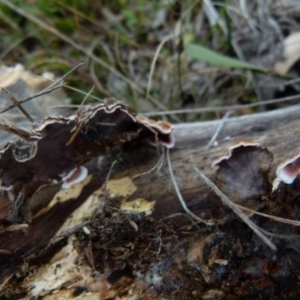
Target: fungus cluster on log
{"x": 54, "y": 150}
{"x": 123, "y": 242}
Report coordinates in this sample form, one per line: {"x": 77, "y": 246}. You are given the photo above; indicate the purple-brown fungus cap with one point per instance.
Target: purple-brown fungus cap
{"x": 243, "y": 175}
{"x": 289, "y": 169}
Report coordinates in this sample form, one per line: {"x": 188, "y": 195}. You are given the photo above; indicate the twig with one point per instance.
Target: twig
{"x": 15, "y": 129}
{"x": 157, "y": 239}
{"x": 251, "y": 75}
{"x": 107, "y": 178}
{"x": 236, "y": 210}
{"x": 157, "y": 166}
{"x": 32, "y": 97}
{"x": 180, "y": 198}
{"x": 117, "y": 51}
{"x": 154, "y": 62}
{"x": 278, "y": 219}
{"x": 80, "y": 124}
{"x": 56, "y": 82}
{"x": 220, "y": 108}
{"x": 47, "y": 90}
{"x": 17, "y": 104}
{"x": 181, "y": 215}
{"x": 217, "y": 132}
{"x": 96, "y": 80}
{"x": 70, "y": 231}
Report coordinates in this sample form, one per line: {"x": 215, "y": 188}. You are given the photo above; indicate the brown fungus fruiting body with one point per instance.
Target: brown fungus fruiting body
{"x": 289, "y": 169}
{"x": 243, "y": 175}
{"x": 74, "y": 176}
{"x": 55, "y": 149}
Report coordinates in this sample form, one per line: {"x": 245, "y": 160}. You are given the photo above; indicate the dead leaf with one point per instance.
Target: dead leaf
{"x": 122, "y": 187}
{"x": 139, "y": 205}
{"x": 291, "y": 48}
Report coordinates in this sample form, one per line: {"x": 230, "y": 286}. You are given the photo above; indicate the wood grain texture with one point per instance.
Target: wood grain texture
{"x": 276, "y": 130}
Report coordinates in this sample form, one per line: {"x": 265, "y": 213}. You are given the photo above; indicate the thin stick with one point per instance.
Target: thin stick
{"x": 15, "y": 129}
{"x": 181, "y": 215}
{"x": 157, "y": 166}
{"x": 17, "y": 104}
{"x": 85, "y": 98}
{"x": 250, "y": 74}
{"x": 74, "y": 105}
{"x": 96, "y": 80}
{"x": 220, "y": 108}
{"x": 154, "y": 62}
{"x": 63, "y": 77}
{"x": 72, "y": 138}
{"x": 180, "y": 198}
{"x": 68, "y": 232}
{"x": 107, "y": 178}
{"x": 47, "y": 90}
{"x": 236, "y": 210}
{"x": 278, "y": 219}
{"x": 217, "y": 132}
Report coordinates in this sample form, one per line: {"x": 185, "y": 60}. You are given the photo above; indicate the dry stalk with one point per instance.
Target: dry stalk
{"x": 47, "y": 90}
{"x": 180, "y": 198}
{"x": 17, "y": 104}
{"x": 236, "y": 210}
{"x": 218, "y": 130}
{"x": 278, "y": 219}
{"x": 221, "y": 108}
{"x": 157, "y": 166}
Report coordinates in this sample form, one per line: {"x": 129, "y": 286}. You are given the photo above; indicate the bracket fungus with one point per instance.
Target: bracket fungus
{"x": 163, "y": 129}
{"x": 243, "y": 174}
{"x": 61, "y": 145}
{"x": 74, "y": 176}
{"x": 289, "y": 169}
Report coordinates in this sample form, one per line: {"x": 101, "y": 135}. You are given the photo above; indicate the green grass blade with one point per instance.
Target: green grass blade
{"x": 213, "y": 58}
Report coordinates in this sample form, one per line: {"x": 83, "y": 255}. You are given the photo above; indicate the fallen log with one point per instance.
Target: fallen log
{"x": 123, "y": 233}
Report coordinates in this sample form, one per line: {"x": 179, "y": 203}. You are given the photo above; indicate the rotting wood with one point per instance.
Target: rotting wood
{"x": 180, "y": 247}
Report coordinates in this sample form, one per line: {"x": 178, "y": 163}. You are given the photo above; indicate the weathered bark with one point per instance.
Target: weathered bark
{"x": 185, "y": 261}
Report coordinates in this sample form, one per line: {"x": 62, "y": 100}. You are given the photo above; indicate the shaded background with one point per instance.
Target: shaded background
{"x": 135, "y": 50}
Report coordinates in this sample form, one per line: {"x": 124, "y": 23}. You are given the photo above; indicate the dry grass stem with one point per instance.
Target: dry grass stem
{"x": 278, "y": 219}
{"x": 17, "y": 104}
{"x": 180, "y": 198}
{"x": 107, "y": 178}
{"x": 14, "y": 129}
{"x": 157, "y": 166}
{"x": 221, "y": 108}
{"x": 236, "y": 210}
{"x": 78, "y": 113}
{"x": 96, "y": 81}
{"x": 217, "y": 132}
{"x": 47, "y": 90}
